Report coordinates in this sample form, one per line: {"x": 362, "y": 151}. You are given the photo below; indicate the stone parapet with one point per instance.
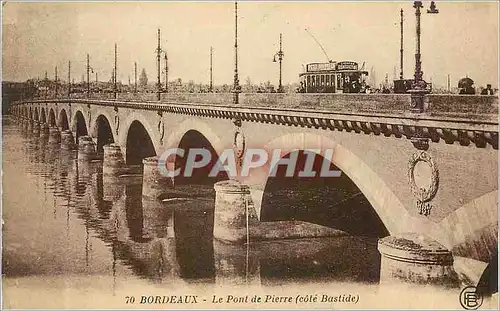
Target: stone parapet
{"x": 473, "y": 120}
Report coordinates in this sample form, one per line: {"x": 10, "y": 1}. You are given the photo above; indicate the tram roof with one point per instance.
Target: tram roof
{"x": 332, "y": 71}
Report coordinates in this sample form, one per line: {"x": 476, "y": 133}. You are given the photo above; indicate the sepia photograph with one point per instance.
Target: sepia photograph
{"x": 250, "y": 155}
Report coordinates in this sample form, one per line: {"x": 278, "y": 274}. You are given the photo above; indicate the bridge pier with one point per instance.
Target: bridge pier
{"x": 86, "y": 149}
{"x": 67, "y": 140}
{"x": 113, "y": 188}
{"x": 417, "y": 259}
{"x": 164, "y": 263}
{"x": 158, "y": 220}
{"x": 29, "y": 126}
{"x": 44, "y": 131}
{"x": 22, "y": 125}
{"x": 154, "y": 184}
{"x": 230, "y": 215}
{"x": 236, "y": 264}
{"x": 36, "y": 129}
{"x": 54, "y": 135}
{"x": 113, "y": 163}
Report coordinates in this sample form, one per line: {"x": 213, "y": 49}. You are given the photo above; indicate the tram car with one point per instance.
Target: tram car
{"x": 333, "y": 77}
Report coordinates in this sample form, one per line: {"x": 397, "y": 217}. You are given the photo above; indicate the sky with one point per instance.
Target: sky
{"x": 461, "y": 40}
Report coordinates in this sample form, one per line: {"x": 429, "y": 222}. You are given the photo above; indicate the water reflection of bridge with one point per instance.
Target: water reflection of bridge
{"x": 172, "y": 241}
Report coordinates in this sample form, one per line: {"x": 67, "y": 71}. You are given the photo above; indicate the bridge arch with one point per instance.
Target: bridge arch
{"x": 488, "y": 282}
{"x": 177, "y": 133}
{"x": 101, "y": 128}
{"x": 193, "y": 133}
{"x": 387, "y": 206}
{"x": 35, "y": 115}
{"x": 52, "y": 117}
{"x": 329, "y": 201}
{"x": 195, "y": 139}
{"x": 150, "y": 130}
{"x": 63, "y": 120}
{"x": 79, "y": 124}
{"x": 475, "y": 239}
{"x": 139, "y": 144}
{"x": 43, "y": 116}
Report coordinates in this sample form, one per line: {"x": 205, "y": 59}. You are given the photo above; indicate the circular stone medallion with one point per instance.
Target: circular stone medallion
{"x": 423, "y": 176}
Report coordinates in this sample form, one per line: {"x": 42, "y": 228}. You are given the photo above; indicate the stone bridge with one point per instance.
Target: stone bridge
{"x": 433, "y": 173}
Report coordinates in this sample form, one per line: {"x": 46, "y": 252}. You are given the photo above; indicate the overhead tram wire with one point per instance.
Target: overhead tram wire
{"x": 327, "y": 57}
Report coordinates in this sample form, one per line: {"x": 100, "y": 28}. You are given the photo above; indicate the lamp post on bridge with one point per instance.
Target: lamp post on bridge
{"x": 89, "y": 69}
{"x": 418, "y": 89}
{"x": 158, "y": 59}
{"x": 280, "y": 59}
{"x": 55, "y": 73}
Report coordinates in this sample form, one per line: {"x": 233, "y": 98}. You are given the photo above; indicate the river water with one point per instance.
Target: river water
{"x": 72, "y": 238}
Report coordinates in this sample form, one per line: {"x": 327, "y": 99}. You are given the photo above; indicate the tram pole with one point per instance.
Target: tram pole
{"x": 166, "y": 71}
{"x": 115, "y": 89}
{"x": 211, "y": 77}
{"x": 88, "y": 75}
{"x": 55, "y": 95}
{"x": 46, "y": 83}
{"x": 449, "y": 83}
{"x": 89, "y": 69}
{"x": 236, "y": 82}
{"x": 401, "y": 75}
{"x": 280, "y": 59}
{"x": 135, "y": 77}
{"x": 158, "y": 59}
{"x": 69, "y": 79}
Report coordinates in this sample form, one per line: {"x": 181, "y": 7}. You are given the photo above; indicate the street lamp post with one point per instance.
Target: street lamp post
{"x": 418, "y": 89}
{"x": 280, "y": 59}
